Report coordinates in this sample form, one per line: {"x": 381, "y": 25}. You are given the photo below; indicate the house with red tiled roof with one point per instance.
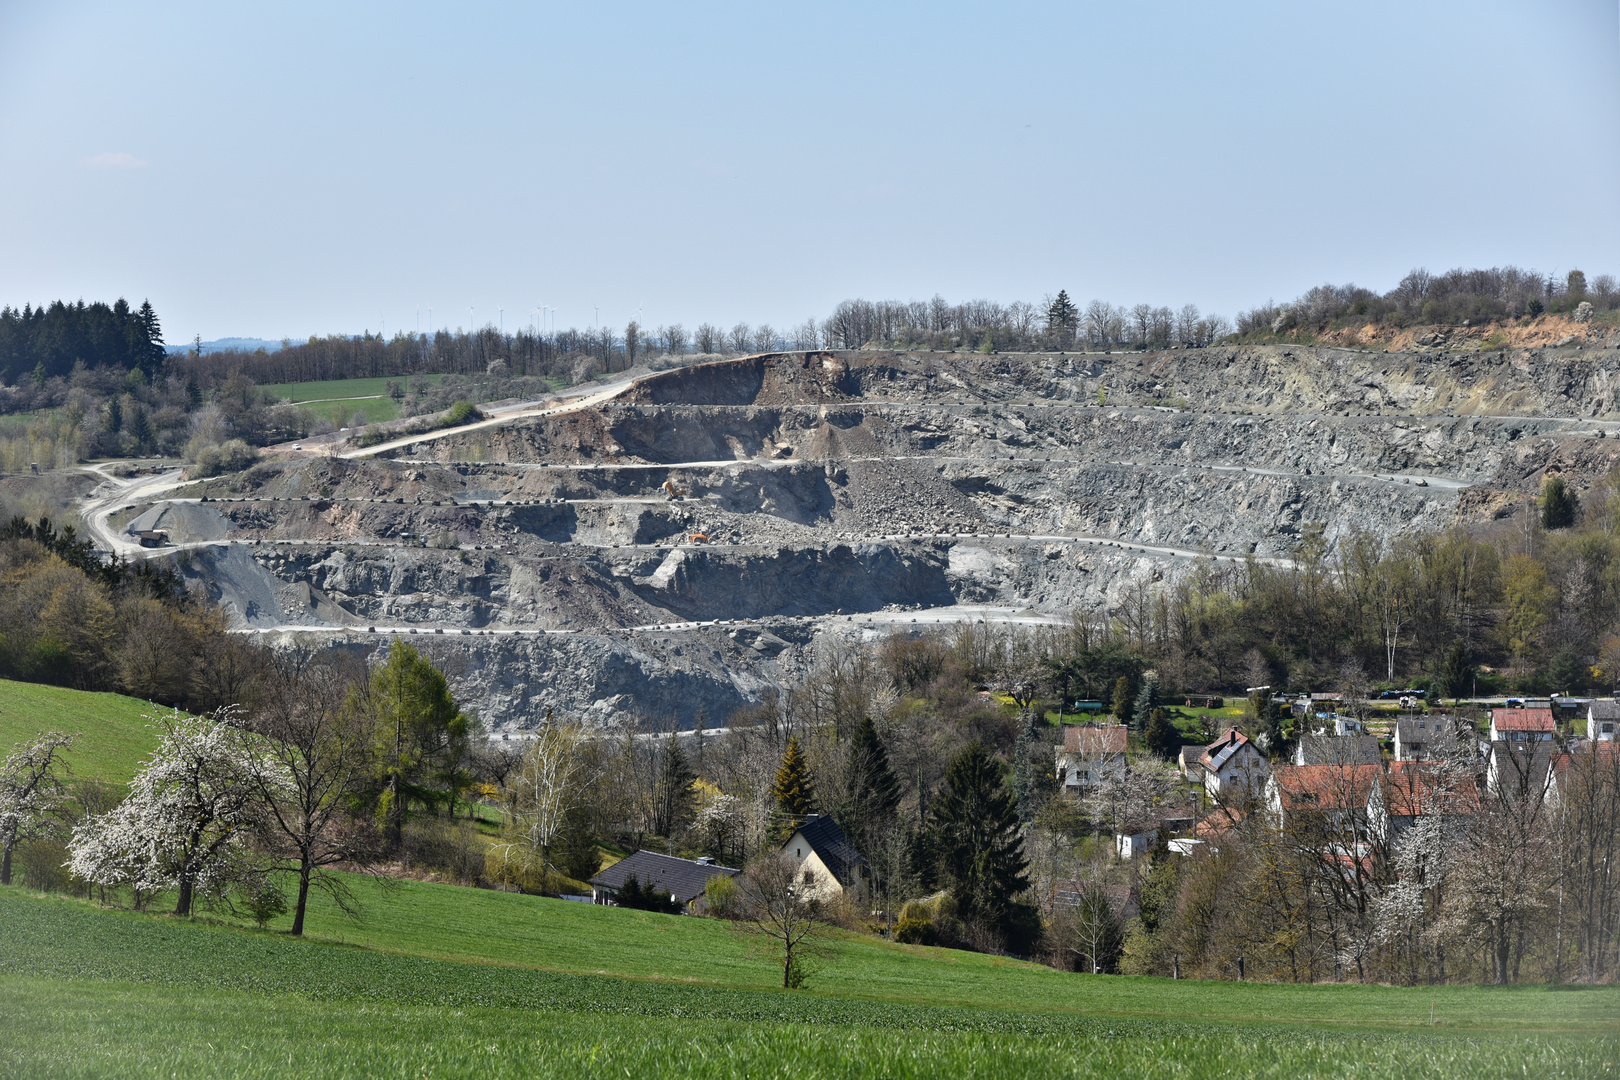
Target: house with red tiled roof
{"x": 1338, "y": 793}
{"x": 1402, "y": 796}
{"x": 1089, "y": 754}
{"x": 1522, "y": 725}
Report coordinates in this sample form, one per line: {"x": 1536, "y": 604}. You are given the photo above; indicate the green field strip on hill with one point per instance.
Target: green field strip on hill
{"x": 328, "y": 389}
{"x": 114, "y": 732}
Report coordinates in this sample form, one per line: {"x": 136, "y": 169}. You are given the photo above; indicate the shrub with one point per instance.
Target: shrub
{"x": 263, "y": 899}
{"x": 231, "y": 456}
{"x": 722, "y": 897}
{"x": 462, "y": 412}
{"x": 914, "y": 930}
{"x": 42, "y": 862}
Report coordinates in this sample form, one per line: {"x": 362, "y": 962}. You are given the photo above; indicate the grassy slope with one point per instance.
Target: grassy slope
{"x": 217, "y": 1001}
{"x": 113, "y": 729}
{"x": 460, "y": 924}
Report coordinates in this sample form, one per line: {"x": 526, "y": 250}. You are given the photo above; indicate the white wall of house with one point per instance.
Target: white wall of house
{"x": 821, "y": 884}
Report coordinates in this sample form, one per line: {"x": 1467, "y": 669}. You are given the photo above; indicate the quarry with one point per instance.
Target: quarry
{"x": 678, "y": 546}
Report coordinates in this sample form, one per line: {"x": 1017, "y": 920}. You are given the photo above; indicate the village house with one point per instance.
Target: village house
{"x": 1603, "y": 720}
{"x": 1519, "y": 769}
{"x": 684, "y": 879}
{"x": 1427, "y": 738}
{"x": 825, "y": 862}
{"x": 1230, "y": 767}
{"x": 1523, "y": 725}
{"x": 1402, "y": 796}
{"x": 1089, "y": 754}
{"x": 1337, "y": 750}
{"x": 1335, "y": 794}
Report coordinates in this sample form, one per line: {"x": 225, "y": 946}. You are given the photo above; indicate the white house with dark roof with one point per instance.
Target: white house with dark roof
{"x": 1426, "y": 738}
{"x": 1232, "y": 765}
{"x": 825, "y": 861}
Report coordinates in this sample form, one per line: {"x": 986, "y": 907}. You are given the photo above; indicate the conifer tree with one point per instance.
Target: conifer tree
{"x": 871, "y": 793}
{"x": 981, "y": 849}
{"x": 1061, "y": 315}
{"x": 1147, "y": 699}
{"x": 674, "y": 799}
{"x": 1161, "y": 735}
{"x": 792, "y": 789}
{"x": 1559, "y": 505}
{"x": 1122, "y": 700}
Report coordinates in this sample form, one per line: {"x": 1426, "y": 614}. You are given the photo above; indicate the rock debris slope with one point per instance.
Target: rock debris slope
{"x": 553, "y": 559}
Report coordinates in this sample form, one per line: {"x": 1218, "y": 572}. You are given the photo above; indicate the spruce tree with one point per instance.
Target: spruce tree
{"x": 1559, "y": 505}
{"x": 1147, "y": 699}
{"x": 1062, "y": 316}
{"x": 674, "y": 799}
{"x": 140, "y": 429}
{"x": 871, "y": 793}
{"x": 1161, "y": 735}
{"x": 792, "y": 789}
{"x": 979, "y": 843}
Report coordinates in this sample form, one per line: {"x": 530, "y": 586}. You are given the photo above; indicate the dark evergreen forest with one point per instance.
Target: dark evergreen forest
{"x": 42, "y": 342}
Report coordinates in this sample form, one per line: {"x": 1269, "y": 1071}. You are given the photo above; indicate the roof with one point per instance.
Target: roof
{"x": 684, "y": 878}
{"x": 1217, "y": 824}
{"x": 1222, "y": 750}
{"x": 830, "y": 844}
{"x": 1415, "y": 792}
{"x": 1339, "y": 750}
{"x": 1426, "y": 729}
{"x": 1189, "y": 756}
{"x": 1523, "y": 720}
{"x": 1094, "y": 741}
{"x": 1330, "y": 787}
{"x": 1604, "y": 709}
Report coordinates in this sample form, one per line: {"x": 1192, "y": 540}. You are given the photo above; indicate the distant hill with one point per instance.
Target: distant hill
{"x": 227, "y": 344}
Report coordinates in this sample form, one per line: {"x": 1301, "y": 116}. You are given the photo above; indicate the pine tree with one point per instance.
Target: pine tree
{"x": 871, "y": 793}
{"x": 1559, "y": 505}
{"x": 1161, "y": 735}
{"x": 155, "y": 352}
{"x": 1147, "y": 699}
{"x": 792, "y": 789}
{"x": 980, "y": 847}
{"x": 115, "y": 414}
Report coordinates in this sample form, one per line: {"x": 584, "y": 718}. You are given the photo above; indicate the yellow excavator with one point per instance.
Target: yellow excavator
{"x": 675, "y": 493}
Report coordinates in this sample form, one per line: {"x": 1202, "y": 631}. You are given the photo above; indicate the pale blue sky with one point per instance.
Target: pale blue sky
{"x": 296, "y": 168}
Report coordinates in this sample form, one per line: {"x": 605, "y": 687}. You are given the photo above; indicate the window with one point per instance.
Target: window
{"x": 798, "y": 853}
{"x": 809, "y": 877}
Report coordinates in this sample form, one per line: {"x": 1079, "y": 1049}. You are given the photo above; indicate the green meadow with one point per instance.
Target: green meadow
{"x": 113, "y": 732}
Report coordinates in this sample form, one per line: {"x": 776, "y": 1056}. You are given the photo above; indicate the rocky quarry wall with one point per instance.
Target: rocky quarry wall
{"x": 684, "y": 547}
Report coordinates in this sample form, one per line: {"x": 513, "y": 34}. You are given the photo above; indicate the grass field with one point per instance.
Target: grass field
{"x": 114, "y": 736}
{"x": 369, "y": 396}
{"x": 88, "y": 992}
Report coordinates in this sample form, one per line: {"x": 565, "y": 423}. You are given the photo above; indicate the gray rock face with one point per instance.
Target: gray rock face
{"x": 786, "y": 500}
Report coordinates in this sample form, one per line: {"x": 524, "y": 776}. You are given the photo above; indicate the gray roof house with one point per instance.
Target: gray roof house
{"x": 684, "y": 879}
{"x": 1337, "y": 750}
{"x": 1426, "y": 738}
{"x": 1603, "y": 720}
